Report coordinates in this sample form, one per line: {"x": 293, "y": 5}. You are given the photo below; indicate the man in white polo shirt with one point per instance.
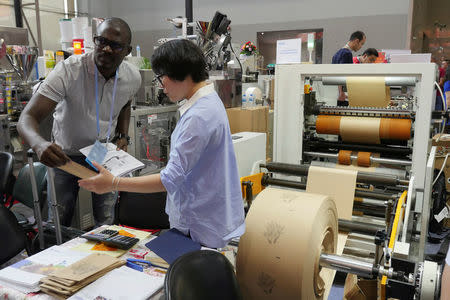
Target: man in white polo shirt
{"x": 91, "y": 95}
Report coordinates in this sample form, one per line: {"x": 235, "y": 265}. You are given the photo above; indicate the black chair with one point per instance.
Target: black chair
{"x": 23, "y": 192}
{"x": 12, "y": 236}
{"x": 6, "y": 175}
{"x": 200, "y": 275}
{"x": 143, "y": 211}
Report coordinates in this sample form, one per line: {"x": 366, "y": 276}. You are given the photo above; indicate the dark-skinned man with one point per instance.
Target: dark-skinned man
{"x": 91, "y": 98}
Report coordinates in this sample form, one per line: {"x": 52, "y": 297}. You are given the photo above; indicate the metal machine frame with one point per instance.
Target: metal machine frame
{"x": 289, "y": 122}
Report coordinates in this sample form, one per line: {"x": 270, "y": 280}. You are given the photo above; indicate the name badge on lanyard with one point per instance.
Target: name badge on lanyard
{"x": 98, "y": 151}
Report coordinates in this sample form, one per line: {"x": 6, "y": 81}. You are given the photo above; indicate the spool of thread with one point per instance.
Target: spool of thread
{"x": 389, "y": 128}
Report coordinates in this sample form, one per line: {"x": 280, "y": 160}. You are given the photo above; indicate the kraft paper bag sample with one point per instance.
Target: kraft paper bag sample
{"x": 368, "y": 92}
{"x": 278, "y": 256}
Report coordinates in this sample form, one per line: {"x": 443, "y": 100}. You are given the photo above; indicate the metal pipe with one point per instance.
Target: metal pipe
{"x": 346, "y": 265}
{"x": 66, "y": 9}
{"x": 388, "y": 150}
{"x": 37, "y": 206}
{"x": 358, "y": 227}
{"x": 389, "y": 81}
{"x": 18, "y": 13}
{"x": 29, "y": 30}
{"x": 75, "y": 7}
{"x": 267, "y": 180}
{"x": 408, "y": 207}
{"x": 362, "y": 177}
{"x": 38, "y": 27}
{"x": 54, "y": 204}
{"x": 189, "y": 15}
{"x": 387, "y": 161}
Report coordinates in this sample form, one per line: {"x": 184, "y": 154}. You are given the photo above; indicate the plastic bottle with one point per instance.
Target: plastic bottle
{"x": 251, "y": 100}
{"x": 244, "y": 101}
{"x": 138, "y": 51}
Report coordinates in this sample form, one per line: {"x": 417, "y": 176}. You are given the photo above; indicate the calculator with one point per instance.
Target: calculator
{"x": 121, "y": 241}
{"x": 100, "y": 236}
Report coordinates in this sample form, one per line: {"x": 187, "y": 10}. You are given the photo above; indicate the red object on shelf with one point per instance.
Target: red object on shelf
{"x": 78, "y": 46}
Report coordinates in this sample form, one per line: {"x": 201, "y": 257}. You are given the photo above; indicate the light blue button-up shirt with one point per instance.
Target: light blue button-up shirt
{"x": 201, "y": 178}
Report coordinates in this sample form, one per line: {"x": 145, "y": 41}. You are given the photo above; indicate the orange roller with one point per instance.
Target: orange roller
{"x": 344, "y": 157}
{"x": 364, "y": 159}
{"x": 328, "y": 124}
{"x": 395, "y": 129}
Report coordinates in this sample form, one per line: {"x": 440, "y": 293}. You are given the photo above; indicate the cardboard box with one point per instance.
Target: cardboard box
{"x": 442, "y": 143}
{"x": 253, "y": 119}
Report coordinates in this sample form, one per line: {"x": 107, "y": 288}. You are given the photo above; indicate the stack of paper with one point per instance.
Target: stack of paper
{"x": 25, "y": 275}
{"x": 122, "y": 283}
{"x": 65, "y": 282}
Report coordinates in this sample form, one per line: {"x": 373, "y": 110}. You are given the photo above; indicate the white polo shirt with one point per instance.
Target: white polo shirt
{"x": 72, "y": 85}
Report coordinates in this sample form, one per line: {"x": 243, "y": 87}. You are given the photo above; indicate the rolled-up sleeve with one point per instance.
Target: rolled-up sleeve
{"x": 186, "y": 151}
{"x": 54, "y": 86}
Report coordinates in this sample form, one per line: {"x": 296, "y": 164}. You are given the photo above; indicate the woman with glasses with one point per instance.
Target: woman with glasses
{"x": 91, "y": 96}
{"x": 204, "y": 198}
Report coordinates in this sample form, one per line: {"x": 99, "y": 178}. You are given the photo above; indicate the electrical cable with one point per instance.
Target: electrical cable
{"x": 442, "y": 168}
{"x": 237, "y": 58}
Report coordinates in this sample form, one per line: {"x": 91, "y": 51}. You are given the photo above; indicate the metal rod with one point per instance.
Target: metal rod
{"x": 346, "y": 265}
{"x": 54, "y": 204}
{"x": 408, "y": 207}
{"x": 37, "y": 206}
{"x": 362, "y": 177}
{"x": 18, "y": 13}
{"x": 29, "y": 29}
{"x": 38, "y": 27}
{"x": 66, "y": 9}
{"x": 189, "y": 15}
{"x": 389, "y": 81}
{"x": 75, "y": 7}
{"x": 387, "y": 161}
{"x": 267, "y": 180}
{"x": 388, "y": 150}
{"x": 358, "y": 227}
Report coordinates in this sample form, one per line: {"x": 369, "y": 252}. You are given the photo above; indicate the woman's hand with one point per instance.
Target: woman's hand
{"x": 101, "y": 183}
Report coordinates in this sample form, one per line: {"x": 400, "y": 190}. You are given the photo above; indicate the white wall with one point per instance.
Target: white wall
{"x": 384, "y": 21}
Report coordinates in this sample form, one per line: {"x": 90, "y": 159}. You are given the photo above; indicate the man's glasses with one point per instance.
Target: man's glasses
{"x": 102, "y": 42}
{"x": 157, "y": 80}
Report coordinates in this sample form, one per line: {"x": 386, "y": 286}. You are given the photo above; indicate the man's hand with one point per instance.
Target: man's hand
{"x": 122, "y": 144}
{"x": 51, "y": 155}
{"x": 101, "y": 183}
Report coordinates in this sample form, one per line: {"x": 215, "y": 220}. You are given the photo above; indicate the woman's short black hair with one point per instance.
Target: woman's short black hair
{"x": 178, "y": 59}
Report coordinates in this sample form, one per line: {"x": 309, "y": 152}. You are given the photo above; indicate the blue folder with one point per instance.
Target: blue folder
{"x": 172, "y": 244}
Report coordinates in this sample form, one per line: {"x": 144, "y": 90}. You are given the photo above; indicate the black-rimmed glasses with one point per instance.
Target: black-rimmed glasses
{"x": 158, "y": 80}
{"x": 102, "y": 42}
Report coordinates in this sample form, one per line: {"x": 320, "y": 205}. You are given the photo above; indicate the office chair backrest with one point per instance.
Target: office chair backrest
{"x": 6, "y": 173}
{"x": 11, "y": 234}
{"x": 22, "y": 188}
{"x": 144, "y": 211}
{"x": 201, "y": 275}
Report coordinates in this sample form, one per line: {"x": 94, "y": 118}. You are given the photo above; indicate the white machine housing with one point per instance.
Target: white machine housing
{"x": 289, "y": 126}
